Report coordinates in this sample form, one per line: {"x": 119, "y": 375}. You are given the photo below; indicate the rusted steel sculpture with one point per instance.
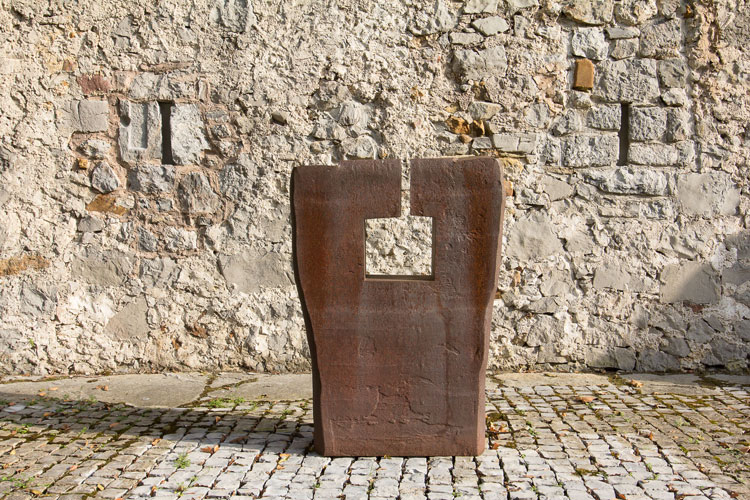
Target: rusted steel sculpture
{"x": 398, "y": 362}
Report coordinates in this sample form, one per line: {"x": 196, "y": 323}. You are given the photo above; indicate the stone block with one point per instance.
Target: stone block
{"x": 699, "y": 332}
{"x": 590, "y": 151}
{"x": 605, "y": 117}
{"x": 152, "y": 179}
{"x": 635, "y": 12}
{"x": 353, "y": 114}
{"x": 629, "y": 180}
{"x": 526, "y": 143}
{"x": 655, "y": 154}
{"x": 542, "y": 331}
{"x": 235, "y": 179}
{"x": 514, "y": 6}
{"x": 140, "y": 131}
{"x": 363, "y": 147}
{"x": 95, "y": 148}
{"x": 551, "y": 151}
{"x": 722, "y": 353}
{"x": 234, "y": 15}
{"x": 673, "y": 73}
{"x": 678, "y": 124}
{"x": 480, "y": 110}
{"x": 589, "y": 43}
{"x": 740, "y": 242}
{"x": 533, "y": 237}
{"x": 568, "y": 123}
{"x": 161, "y": 86}
{"x": 537, "y": 115}
{"x": 583, "y": 76}
{"x": 675, "y": 97}
{"x": 188, "y": 138}
{"x": 707, "y": 195}
{"x": 690, "y": 281}
{"x": 480, "y": 6}
{"x": 594, "y": 12}
{"x": 515, "y": 143}
{"x": 612, "y": 275}
{"x": 481, "y": 143}
{"x": 556, "y": 284}
{"x": 90, "y": 224}
{"x": 110, "y": 204}
{"x": 624, "y": 49}
{"x": 650, "y": 360}
{"x": 441, "y": 18}
{"x": 103, "y": 178}
{"x": 505, "y": 142}
{"x": 130, "y": 323}
{"x": 621, "y": 33}
{"x": 90, "y": 115}
{"x": 676, "y": 346}
{"x": 647, "y": 123}
{"x": 93, "y": 84}
{"x": 610, "y": 357}
{"x": 160, "y": 272}
{"x": 482, "y": 64}
{"x": 147, "y": 241}
{"x": 629, "y": 80}
{"x": 738, "y": 274}
{"x": 742, "y": 329}
{"x": 38, "y": 301}
{"x": 253, "y": 271}
{"x": 196, "y": 195}
{"x": 180, "y": 240}
{"x": 110, "y": 268}
{"x": 555, "y": 188}
{"x": 661, "y": 40}
{"x": 489, "y": 26}
{"x": 460, "y": 38}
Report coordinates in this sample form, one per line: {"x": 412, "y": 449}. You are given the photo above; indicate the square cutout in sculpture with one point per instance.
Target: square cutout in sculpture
{"x": 399, "y": 248}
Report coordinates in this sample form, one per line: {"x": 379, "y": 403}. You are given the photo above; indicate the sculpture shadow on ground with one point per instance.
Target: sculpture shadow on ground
{"x": 251, "y": 426}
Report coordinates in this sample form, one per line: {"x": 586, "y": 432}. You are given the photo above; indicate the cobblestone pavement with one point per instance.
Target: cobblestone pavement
{"x": 603, "y": 441}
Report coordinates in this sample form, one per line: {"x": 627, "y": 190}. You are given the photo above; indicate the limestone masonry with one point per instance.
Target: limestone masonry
{"x": 146, "y": 153}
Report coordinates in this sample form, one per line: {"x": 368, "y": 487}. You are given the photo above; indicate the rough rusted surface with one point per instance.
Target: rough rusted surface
{"x": 398, "y": 362}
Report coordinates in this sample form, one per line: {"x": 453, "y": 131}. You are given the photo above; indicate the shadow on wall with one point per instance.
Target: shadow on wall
{"x": 702, "y": 318}
{"x": 714, "y": 323}
{"x": 691, "y": 314}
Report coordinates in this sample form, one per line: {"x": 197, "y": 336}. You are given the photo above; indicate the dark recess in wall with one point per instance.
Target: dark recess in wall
{"x": 165, "y": 109}
{"x": 624, "y": 133}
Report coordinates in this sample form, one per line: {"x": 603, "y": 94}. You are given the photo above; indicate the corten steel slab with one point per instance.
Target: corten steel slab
{"x": 398, "y": 362}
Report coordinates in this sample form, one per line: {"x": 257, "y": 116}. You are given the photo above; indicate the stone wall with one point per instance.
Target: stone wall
{"x": 145, "y": 155}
